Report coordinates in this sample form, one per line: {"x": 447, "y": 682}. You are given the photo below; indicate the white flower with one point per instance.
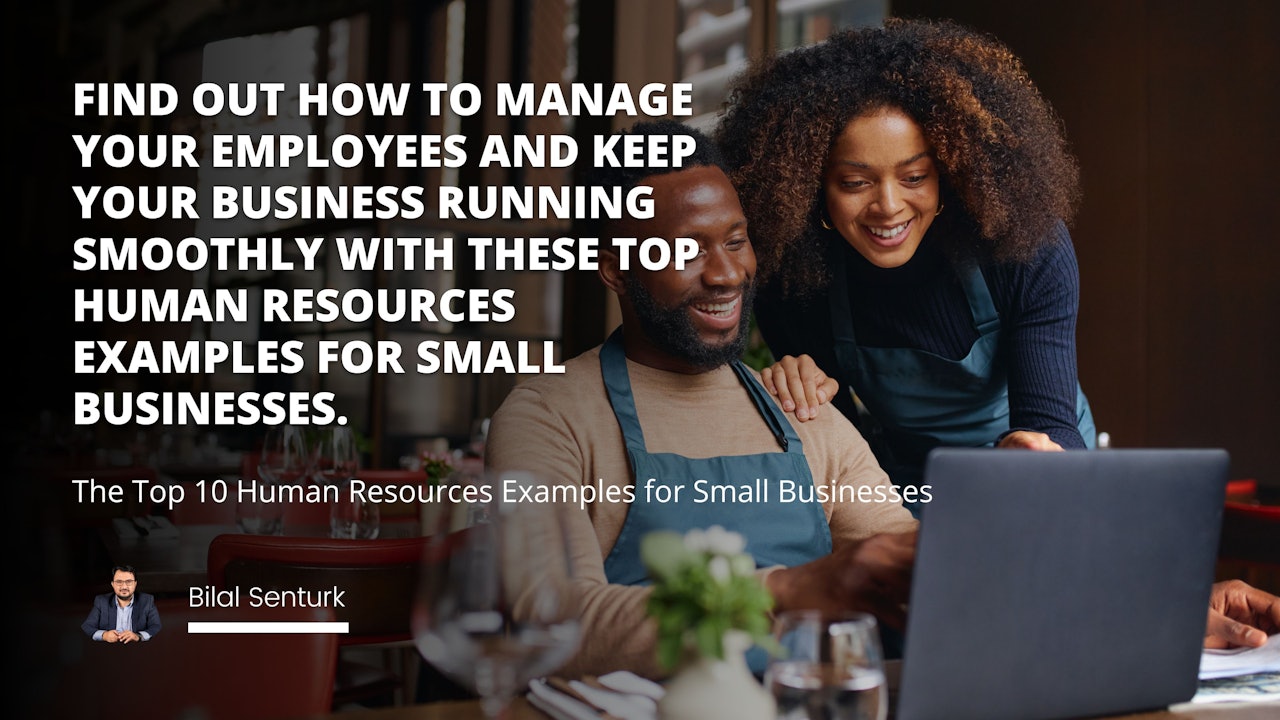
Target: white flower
{"x": 742, "y": 565}
{"x": 724, "y": 542}
{"x": 719, "y": 569}
{"x": 696, "y": 541}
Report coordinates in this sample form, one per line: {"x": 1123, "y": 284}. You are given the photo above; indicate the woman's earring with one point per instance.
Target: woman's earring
{"x": 938, "y": 212}
{"x": 823, "y": 219}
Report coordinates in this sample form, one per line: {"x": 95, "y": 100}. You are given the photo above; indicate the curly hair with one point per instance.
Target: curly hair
{"x": 1003, "y": 158}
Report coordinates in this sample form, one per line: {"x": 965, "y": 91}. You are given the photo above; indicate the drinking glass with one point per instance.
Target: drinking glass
{"x": 335, "y": 461}
{"x": 350, "y": 516}
{"x": 831, "y": 668}
{"x": 496, "y": 604}
{"x": 258, "y": 511}
{"x": 286, "y": 458}
{"x": 334, "y": 456}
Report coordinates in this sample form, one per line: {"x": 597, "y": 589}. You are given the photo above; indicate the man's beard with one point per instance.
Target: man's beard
{"x": 672, "y": 329}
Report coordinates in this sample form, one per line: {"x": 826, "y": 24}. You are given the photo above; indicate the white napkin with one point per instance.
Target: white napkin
{"x": 628, "y": 697}
{"x": 557, "y": 704}
{"x": 628, "y": 682}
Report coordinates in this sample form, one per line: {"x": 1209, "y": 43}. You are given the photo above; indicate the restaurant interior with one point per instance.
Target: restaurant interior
{"x": 1179, "y": 320}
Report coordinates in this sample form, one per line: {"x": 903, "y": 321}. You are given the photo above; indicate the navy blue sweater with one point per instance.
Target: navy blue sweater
{"x": 922, "y": 305}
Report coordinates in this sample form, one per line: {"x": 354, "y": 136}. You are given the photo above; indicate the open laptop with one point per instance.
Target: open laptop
{"x": 1056, "y": 585}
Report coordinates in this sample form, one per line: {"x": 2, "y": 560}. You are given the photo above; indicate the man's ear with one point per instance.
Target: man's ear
{"x": 610, "y": 273}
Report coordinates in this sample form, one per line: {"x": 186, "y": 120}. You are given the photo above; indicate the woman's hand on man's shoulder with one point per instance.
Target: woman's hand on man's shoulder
{"x": 800, "y": 385}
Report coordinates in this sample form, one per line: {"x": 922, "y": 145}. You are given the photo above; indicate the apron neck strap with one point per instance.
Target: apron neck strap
{"x": 981, "y": 306}
{"x": 768, "y": 409}
{"x": 845, "y": 343}
{"x": 617, "y": 383}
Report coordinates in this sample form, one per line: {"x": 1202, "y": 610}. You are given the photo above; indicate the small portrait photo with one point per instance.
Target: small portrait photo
{"x": 123, "y": 615}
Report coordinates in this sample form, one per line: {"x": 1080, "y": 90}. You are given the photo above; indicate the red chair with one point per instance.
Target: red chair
{"x": 1250, "y": 544}
{"x": 208, "y": 676}
{"x": 1243, "y": 490}
{"x": 380, "y": 577}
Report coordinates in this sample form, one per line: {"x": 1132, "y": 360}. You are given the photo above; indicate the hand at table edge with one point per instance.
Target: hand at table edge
{"x": 1240, "y": 615}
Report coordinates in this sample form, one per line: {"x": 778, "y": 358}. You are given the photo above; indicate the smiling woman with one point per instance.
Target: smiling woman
{"x": 911, "y": 239}
{"x": 881, "y": 187}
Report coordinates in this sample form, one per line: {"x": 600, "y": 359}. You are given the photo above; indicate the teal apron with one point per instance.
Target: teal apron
{"x": 920, "y": 400}
{"x": 777, "y": 533}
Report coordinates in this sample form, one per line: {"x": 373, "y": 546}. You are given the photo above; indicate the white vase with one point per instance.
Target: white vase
{"x": 708, "y": 689}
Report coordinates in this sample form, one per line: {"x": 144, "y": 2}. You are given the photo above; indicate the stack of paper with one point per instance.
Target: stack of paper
{"x": 1240, "y": 674}
{"x": 1241, "y": 661}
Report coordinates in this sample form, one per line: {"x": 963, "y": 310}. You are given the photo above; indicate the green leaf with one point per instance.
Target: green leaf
{"x": 692, "y": 610}
{"x": 663, "y": 553}
{"x": 709, "y": 636}
{"x": 670, "y": 648}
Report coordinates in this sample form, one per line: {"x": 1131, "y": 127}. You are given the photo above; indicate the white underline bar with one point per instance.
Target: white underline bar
{"x": 251, "y": 628}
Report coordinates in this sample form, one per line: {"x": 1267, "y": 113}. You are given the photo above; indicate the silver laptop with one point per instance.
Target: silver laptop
{"x": 1056, "y": 585}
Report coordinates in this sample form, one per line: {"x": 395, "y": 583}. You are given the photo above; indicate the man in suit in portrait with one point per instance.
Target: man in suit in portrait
{"x": 123, "y": 615}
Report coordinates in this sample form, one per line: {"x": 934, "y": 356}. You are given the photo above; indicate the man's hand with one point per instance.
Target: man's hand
{"x": 1240, "y": 615}
{"x": 129, "y": 636}
{"x": 1027, "y": 440}
{"x": 871, "y": 576}
{"x": 111, "y": 636}
{"x": 800, "y": 385}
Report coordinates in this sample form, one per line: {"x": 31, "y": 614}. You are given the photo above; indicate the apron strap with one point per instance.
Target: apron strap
{"x": 768, "y": 409}
{"x": 846, "y": 344}
{"x": 976, "y": 292}
{"x": 617, "y": 382}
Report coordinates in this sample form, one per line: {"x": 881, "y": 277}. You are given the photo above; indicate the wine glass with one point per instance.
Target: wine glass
{"x": 830, "y": 668}
{"x": 335, "y": 461}
{"x": 335, "y": 458}
{"x": 354, "y": 517}
{"x": 286, "y": 458}
{"x": 257, "y": 513}
{"x": 496, "y": 604}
